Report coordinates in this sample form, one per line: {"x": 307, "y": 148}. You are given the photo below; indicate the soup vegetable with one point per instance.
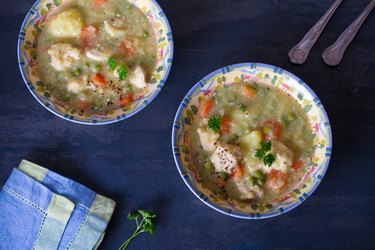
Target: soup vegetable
{"x": 96, "y": 56}
{"x": 250, "y": 142}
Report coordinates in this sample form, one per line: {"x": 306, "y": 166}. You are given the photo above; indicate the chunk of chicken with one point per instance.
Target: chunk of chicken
{"x": 283, "y": 157}
{"x": 248, "y": 191}
{"x": 63, "y": 55}
{"x": 115, "y": 27}
{"x": 137, "y": 78}
{"x": 98, "y": 55}
{"x": 78, "y": 84}
{"x": 226, "y": 157}
{"x": 207, "y": 137}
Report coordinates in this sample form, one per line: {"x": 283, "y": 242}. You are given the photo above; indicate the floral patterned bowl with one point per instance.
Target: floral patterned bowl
{"x": 26, "y": 50}
{"x": 283, "y": 80}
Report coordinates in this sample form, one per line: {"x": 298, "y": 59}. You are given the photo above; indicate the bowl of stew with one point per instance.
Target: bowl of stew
{"x": 95, "y": 61}
{"x": 251, "y": 140}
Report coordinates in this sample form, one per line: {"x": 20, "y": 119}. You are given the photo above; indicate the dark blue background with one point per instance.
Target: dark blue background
{"x": 131, "y": 161}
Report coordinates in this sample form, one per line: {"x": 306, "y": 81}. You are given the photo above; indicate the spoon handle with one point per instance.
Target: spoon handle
{"x": 299, "y": 53}
{"x": 334, "y": 53}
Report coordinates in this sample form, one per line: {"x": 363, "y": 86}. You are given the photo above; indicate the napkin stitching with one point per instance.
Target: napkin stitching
{"x": 79, "y": 229}
{"x": 23, "y": 199}
{"x": 11, "y": 192}
{"x": 40, "y": 230}
{"x": 86, "y": 209}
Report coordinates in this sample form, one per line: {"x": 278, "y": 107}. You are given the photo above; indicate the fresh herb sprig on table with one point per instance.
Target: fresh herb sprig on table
{"x": 268, "y": 159}
{"x": 147, "y": 224}
{"x": 214, "y": 123}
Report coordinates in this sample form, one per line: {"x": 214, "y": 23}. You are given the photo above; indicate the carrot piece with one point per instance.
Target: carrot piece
{"x": 99, "y": 3}
{"x": 127, "y": 46}
{"x": 83, "y": 106}
{"x": 277, "y": 180}
{"x": 225, "y": 125}
{"x": 206, "y": 107}
{"x": 99, "y": 80}
{"x": 221, "y": 182}
{"x": 125, "y": 101}
{"x": 272, "y": 130}
{"x": 297, "y": 165}
{"x": 248, "y": 91}
{"x": 89, "y": 33}
{"x": 237, "y": 172}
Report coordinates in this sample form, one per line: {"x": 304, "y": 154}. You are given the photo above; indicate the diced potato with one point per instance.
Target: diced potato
{"x": 66, "y": 24}
{"x": 251, "y": 141}
{"x": 239, "y": 117}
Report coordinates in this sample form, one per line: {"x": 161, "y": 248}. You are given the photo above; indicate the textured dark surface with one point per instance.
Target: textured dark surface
{"x": 131, "y": 161}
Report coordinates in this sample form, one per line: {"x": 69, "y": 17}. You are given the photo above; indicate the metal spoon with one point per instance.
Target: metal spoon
{"x": 299, "y": 53}
{"x": 334, "y": 53}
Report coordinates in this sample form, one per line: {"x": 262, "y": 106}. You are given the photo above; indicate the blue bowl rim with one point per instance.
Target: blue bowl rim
{"x": 184, "y": 176}
{"x": 122, "y": 117}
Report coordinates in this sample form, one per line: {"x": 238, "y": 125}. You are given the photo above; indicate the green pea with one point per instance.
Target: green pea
{"x": 146, "y": 34}
{"x": 251, "y": 180}
{"x": 97, "y": 67}
{"x": 127, "y": 88}
{"x": 208, "y": 165}
{"x": 261, "y": 182}
{"x": 258, "y": 174}
{"x": 222, "y": 175}
{"x": 291, "y": 117}
{"x": 233, "y": 98}
{"x": 221, "y": 196}
{"x": 266, "y": 130}
{"x": 243, "y": 109}
{"x": 77, "y": 72}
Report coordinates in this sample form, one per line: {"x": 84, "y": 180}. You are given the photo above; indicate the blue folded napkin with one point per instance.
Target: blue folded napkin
{"x": 40, "y": 209}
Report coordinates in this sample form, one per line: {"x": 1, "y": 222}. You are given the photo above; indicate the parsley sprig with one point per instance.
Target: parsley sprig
{"x": 214, "y": 123}
{"x": 147, "y": 224}
{"x": 268, "y": 159}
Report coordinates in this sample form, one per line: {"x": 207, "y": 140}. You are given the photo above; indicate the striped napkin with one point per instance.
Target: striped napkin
{"x": 40, "y": 209}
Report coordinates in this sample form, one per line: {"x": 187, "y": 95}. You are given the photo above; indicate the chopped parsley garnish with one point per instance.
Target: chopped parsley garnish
{"x": 261, "y": 153}
{"x": 122, "y": 72}
{"x": 111, "y": 63}
{"x": 214, "y": 123}
{"x": 268, "y": 159}
{"x": 266, "y": 146}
